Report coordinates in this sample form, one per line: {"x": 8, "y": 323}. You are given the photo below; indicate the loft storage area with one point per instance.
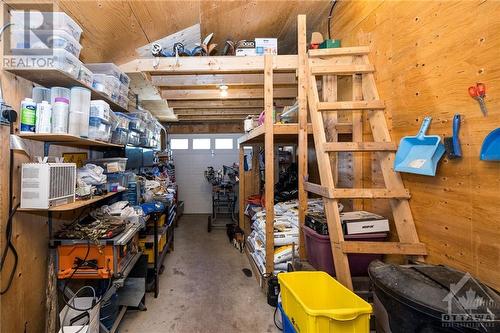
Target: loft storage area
{"x": 298, "y": 168}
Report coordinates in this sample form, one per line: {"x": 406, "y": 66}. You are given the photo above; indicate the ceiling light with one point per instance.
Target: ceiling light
{"x": 223, "y": 93}
{"x": 223, "y": 87}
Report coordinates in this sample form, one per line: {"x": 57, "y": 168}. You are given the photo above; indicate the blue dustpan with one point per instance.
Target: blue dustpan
{"x": 419, "y": 154}
{"x": 490, "y": 150}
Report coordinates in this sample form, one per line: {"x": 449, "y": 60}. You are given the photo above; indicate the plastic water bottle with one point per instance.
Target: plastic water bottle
{"x": 28, "y": 115}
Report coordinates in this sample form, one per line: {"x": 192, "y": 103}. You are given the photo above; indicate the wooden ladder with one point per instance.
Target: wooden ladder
{"x": 331, "y": 63}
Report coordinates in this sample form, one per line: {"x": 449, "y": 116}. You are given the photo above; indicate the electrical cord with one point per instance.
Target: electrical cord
{"x": 12, "y": 117}
{"x": 274, "y": 319}
{"x": 80, "y": 263}
{"x": 9, "y": 245}
{"x": 72, "y": 299}
{"x": 330, "y": 18}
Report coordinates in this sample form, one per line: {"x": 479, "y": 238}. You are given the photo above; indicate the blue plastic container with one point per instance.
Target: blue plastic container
{"x": 287, "y": 324}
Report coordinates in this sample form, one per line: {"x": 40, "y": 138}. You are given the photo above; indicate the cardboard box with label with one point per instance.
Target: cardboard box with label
{"x": 245, "y": 52}
{"x": 266, "y": 46}
{"x": 362, "y": 222}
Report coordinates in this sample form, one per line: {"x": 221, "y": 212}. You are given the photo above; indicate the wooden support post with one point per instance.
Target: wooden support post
{"x": 357, "y": 136}
{"x": 269, "y": 160}
{"x": 302, "y": 140}
{"x": 241, "y": 190}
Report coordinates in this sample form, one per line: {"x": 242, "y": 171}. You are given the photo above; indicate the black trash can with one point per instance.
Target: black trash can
{"x": 434, "y": 299}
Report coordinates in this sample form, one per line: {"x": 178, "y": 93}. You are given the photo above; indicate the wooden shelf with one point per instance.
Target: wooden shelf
{"x": 72, "y": 206}
{"x": 67, "y": 140}
{"x": 284, "y": 133}
{"x": 50, "y": 77}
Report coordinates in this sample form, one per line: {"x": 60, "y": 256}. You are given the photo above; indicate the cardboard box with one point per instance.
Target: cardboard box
{"x": 245, "y": 52}
{"x": 362, "y": 222}
{"x": 266, "y": 46}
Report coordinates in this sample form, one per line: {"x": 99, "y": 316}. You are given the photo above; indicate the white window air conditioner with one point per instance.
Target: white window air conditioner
{"x": 46, "y": 185}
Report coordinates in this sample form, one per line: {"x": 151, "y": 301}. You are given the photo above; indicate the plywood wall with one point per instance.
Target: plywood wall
{"x": 427, "y": 53}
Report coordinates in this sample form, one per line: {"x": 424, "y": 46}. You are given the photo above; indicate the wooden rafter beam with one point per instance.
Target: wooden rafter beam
{"x": 208, "y": 112}
{"x": 234, "y": 117}
{"x": 227, "y": 104}
{"x": 203, "y": 94}
{"x": 200, "y": 65}
{"x": 203, "y": 80}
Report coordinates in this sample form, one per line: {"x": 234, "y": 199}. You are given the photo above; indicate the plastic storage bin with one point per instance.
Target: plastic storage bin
{"x": 124, "y": 89}
{"x": 100, "y": 109}
{"x": 114, "y": 87}
{"x": 146, "y": 138}
{"x": 48, "y": 21}
{"x": 44, "y": 40}
{"x": 85, "y": 76}
{"x": 134, "y": 138}
{"x": 320, "y": 252}
{"x": 60, "y": 59}
{"x": 124, "y": 79}
{"x": 285, "y": 321}
{"x": 123, "y": 120}
{"x": 123, "y": 101}
{"x": 99, "y": 129}
{"x": 115, "y": 164}
{"x": 117, "y": 178}
{"x": 100, "y": 83}
{"x": 137, "y": 124}
{"x": 66, "y": 62}
{"x": 105, "y": 68}
{"x": 316, "y": 302}
{"x": 119, "y": 136}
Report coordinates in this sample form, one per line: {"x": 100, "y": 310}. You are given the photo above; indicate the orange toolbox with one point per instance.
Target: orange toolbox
{"x": 104, "y": 260}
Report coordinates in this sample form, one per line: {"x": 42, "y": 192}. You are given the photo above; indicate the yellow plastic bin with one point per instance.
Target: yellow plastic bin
{"x": 316, "y": 303}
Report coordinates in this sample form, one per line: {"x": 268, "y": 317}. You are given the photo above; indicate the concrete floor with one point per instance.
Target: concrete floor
{"x": 203, "y": 288}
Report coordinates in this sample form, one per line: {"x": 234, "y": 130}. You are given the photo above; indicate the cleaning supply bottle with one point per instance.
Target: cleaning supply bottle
{"x": 60, "y": 112}
{"x": 43, "y": 117}
{"x": 28, "y": 115}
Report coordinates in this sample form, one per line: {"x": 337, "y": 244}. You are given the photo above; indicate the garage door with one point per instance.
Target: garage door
{"x": 192, "y": 155}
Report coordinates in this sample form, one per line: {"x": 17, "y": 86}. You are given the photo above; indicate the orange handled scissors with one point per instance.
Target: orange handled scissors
{"x": 478, "y": 92}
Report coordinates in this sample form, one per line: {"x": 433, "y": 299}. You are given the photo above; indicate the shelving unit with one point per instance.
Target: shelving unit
{"x": 49, "y": 77}
{"x": 268, "y": 135}
{"x": 167, "y": 230}
{"x": 73, "y": 141}
{"x": 74, "y": 205}
{"x": 67, "y": 140}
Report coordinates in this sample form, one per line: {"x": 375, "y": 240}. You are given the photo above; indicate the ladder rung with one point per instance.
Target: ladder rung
{"x": 343, "y": 128}
{"x": 356, "y": 193}
{"x": 341, "y": 51}
{"x": 359, "y": 146}
{"x": 354, "y": 105}
{"x": 342, "y": 69}
{"x": 383, "y": 248}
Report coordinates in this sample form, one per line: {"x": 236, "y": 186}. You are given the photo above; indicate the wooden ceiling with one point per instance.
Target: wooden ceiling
{"x": 113, "y": 30}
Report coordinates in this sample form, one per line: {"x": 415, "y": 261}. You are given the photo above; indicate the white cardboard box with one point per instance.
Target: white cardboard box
{"x": 245, "y": 52}
{"x": 266, "y": 46}
{"x": 362, "y": 222}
